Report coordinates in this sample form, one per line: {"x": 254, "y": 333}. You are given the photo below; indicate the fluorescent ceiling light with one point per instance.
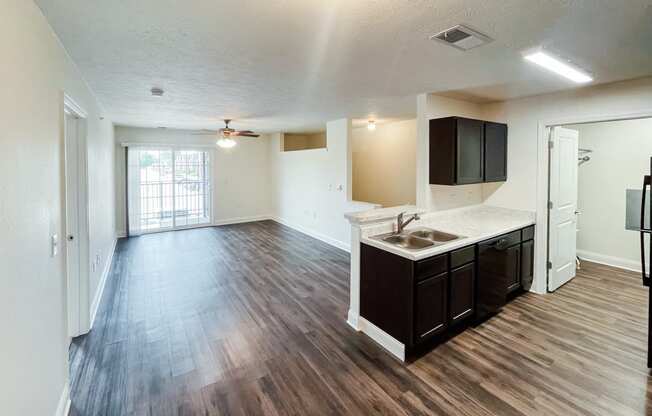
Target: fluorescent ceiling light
{"x": 558, "y": 67}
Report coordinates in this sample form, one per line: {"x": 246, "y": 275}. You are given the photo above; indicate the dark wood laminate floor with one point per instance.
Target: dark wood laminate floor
{"x": 249, "y": 319}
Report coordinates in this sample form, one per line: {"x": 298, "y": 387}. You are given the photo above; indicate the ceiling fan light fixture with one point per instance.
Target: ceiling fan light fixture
{"x": 371, "y": 125}
{"x": 226, "y": 142}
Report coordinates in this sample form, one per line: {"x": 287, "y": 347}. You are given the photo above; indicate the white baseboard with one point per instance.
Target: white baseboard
{"x": 352, "y": 320}
{"x": 315, "y": 234}
{"x": 100, "y": 287}
{"x": 63, "y": 408}
{"x": 120, "y": 234}
{"x": 618, "y": 262}
{"x": 239, "y": 220}
{"x": 393, "y": 346}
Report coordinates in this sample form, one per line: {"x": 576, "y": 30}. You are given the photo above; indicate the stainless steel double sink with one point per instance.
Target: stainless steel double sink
{"x": 418, "y": 238}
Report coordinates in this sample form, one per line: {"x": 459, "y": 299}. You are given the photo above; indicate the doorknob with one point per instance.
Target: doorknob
{"x": 71, "y": 237}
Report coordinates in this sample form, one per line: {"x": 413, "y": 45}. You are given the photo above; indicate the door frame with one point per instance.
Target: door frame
{"x": 544, "y": 127}
{"x": 174, "y": 147}
{"x": 78, "y": 307}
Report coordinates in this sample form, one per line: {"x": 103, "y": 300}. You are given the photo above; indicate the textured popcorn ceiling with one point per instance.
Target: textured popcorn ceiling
{"x": 294, "y": 64}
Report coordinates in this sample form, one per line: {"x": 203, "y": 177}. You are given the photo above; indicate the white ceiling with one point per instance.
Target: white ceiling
{"x": 294, "y": 64}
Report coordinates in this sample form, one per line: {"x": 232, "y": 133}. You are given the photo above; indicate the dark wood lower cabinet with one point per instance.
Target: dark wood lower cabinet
{"x": 414, "y": 301}
{"x": 430, "y": 309}
{"x": 527, "y": 264}
{"x": 462, "y": 293}
{"x": 513, "y": 267}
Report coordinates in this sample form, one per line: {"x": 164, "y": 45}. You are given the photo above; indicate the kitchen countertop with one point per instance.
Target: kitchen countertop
{"x": 381, "y": 214}
{"x": 476, "y": 223}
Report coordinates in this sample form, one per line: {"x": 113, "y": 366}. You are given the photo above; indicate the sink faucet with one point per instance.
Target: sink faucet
{"x": 400, "y": 224}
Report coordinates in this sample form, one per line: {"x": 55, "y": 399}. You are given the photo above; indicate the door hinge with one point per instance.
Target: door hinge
{"x": 549, "y": 264}
{"x": 551, "y": 144}
{"x": 549, "y": 204}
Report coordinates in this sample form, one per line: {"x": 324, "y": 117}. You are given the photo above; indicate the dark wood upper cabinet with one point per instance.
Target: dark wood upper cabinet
{"x": 495, "y": 149}
{"x": 466, "y": 151}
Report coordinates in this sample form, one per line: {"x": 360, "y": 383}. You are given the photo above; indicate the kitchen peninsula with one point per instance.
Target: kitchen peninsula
{"x": 445, "y": 270}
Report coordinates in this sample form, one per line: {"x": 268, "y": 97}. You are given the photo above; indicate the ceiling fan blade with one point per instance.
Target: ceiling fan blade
{"x": 248, "y": 134}
{"x": 245, "y": 131}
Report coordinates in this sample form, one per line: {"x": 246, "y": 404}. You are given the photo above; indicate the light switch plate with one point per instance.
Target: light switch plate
{"x": 54, "y": 245}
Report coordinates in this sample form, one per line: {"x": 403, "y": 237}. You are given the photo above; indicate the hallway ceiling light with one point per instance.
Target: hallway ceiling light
{"x": 557, "y": 66}
{"x": 371, "y": 125}
{"x": 226, "y": 142}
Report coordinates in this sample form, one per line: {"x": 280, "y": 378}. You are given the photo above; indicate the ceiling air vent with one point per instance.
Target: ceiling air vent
{"x": 461, "y": 37}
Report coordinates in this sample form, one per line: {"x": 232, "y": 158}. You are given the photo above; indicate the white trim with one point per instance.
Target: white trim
{"x": 239, "y": 220}
{"x": 120, "y": 234}
{"x": 541, "y": 244}
{"x": 352, "y": 319}
{"x": 167, "y": 145}
{"x": 63, "y": 407}
{"x": 70, "y": 104}
{"x": 81, "y": 323}
{"x": 100, "y": 287}
{"x": 393, "y": 346}
{"x": 619, "y": 262}
{"x": 314, "y": 234}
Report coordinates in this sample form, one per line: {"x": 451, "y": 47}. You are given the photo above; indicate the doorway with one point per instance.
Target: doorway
{"x": 168, "y": 189}
{"x": 76, "y": 218}
{"x": 596, "y": 176}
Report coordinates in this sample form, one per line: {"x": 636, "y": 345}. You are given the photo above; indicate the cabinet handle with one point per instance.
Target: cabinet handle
{"x": 500, "y": 244}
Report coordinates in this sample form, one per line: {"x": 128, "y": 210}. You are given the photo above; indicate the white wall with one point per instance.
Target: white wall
{"x": 524, "y": 115}
{"x": 620, "y": 159}
{"x": 311, "y": 189}
{"x": 35, "y": 73}
{"x": 384, "y": 163}
{"x": 439, "y": 197}
{"x": 526, "y": 186}
{"x": 241, "y": 174}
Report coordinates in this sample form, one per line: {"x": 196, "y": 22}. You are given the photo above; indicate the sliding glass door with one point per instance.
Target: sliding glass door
{"x": 167, "y": 188}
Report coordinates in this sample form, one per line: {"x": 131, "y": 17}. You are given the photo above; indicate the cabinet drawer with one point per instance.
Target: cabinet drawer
{"x": 528, "y": 233}
{"x": 462, "y": 256}
{"x": 430, "y": 267}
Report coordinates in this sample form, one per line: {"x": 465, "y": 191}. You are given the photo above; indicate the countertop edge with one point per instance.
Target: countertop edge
{"x": 444, "y": 248}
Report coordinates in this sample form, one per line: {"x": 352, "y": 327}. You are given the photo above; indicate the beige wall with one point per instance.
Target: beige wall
{"x": 439, "y": 197}
{"x": 311, "y": 189}
{"x": 240, "y": 174}
{"x": 620, "y": 158}
{"x": 294, "y": 141}
{"x": 384, "y": 163}
{"x": 35, "y": 72}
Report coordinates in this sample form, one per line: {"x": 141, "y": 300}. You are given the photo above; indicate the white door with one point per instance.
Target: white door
{"x": 563, "y": 206}
{"x": 167, "y": 189}
{"x": 72, "y": 237}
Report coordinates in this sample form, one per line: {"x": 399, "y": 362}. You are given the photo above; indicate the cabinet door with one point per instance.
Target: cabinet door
{"x": 527, "y": 264}
{"x": 430, "y": 310}
{"x": 495, "y": 152}
{"x": 462, "y": 288}
{"x": 470, "y": 151}
{"x": 513, "y": 267}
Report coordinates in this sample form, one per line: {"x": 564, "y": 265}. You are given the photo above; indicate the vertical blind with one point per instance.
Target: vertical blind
{"x": 167, "y": 188}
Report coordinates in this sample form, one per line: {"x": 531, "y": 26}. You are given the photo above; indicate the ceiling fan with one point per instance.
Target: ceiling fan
{"x": 227, "y": 133}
